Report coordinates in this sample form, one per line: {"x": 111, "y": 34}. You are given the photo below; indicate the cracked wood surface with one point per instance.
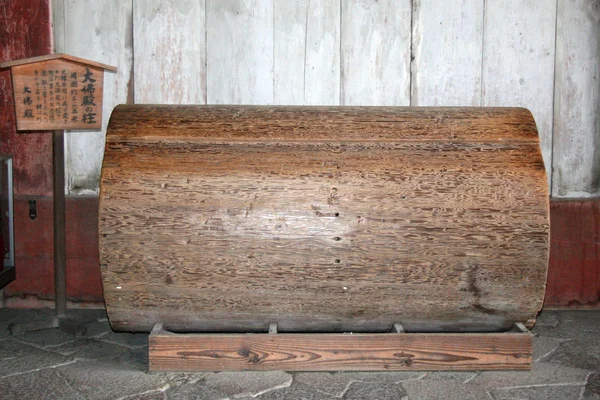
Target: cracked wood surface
{"x": 228, "y": 218}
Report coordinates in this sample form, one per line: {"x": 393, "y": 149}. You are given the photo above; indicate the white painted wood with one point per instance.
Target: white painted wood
{"x": 322, "y": 66}
{"x": 518, "y": 61}
{"x": 239, "y": 51}
{"x": 58, "y": 25}
{"x": 99, "y": 31}
{"x": 289, "y": 62}
{"x": 376, "y": 52}
{"x": 356, "y": 52}
{"x": 576, "y": 158}
{"x": 447, "y": 49}
{"x": 169, "y": 51}
{"x": 307, "y": 52}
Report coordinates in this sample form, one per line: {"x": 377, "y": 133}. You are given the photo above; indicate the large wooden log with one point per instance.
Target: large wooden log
{"x": 227, "y": 218}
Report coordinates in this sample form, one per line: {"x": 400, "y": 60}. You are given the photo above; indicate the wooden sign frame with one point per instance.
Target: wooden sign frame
{"x": 57, "y": 92}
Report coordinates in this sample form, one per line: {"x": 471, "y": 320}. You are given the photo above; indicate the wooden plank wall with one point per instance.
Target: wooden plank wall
{"x": 375, "y": 53}
{"x": 576, "y": 157}
{"x": 170, "y": 52}
{"x": 540, "y": 54}
{"x": 447, "y": 49}
{"x": 99, "y": 31}
{"x": 518, "y": 61}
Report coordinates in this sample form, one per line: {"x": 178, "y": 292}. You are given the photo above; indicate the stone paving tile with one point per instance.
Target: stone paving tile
{"x": 97, "y": 328}
{"x": 539, "y": 393}
{"x": 43, "y": 384}
{"x": 443, "y": 390}
{"x": 592, "y": 389}
{"x": 547, "y": 318}
{"x": 450, "y": 376}
{"x": 109, "y": 380}
{"x": 16, "y": 315}
{"x": 568, "y": 344}
{"x": 126, "y": 339}
{"x": 87, "y": 314}
{"x": 575, "y": 325}
{"x": 295, "y": 392}
{"x": 578, "y": 353}
{"x": 544, "y": 346}
{"x": 155, "y": 395}
{"x": 384, "y": 377}
{"x": 46, "y": 337}
{"x": 329, "y": 383}
{"x": 194, "y": 392}
{"x": 136, "y": 358}
{"x": 175, "y": 379}
{"x": 542, "y": 373}
{"x": 375, "y": 391}
{"x": 91, "y": 350}
{"x": 244, "y": 384}
{"x": 16, "y": 357}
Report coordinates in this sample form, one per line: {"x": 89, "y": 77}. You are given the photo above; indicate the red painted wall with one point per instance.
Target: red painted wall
{"x": 25, "y": 31}
{"x": 574, "y": 270}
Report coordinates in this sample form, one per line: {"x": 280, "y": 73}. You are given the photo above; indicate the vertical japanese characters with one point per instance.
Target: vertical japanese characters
{"x": 58, "y": 95}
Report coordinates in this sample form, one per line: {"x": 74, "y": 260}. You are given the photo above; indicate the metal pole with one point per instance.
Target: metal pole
{"x": 60, "y": 268}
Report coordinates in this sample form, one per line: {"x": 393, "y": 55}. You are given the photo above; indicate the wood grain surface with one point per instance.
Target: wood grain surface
{"x": 340, "y": 352}
{"x": 227, "y": 218}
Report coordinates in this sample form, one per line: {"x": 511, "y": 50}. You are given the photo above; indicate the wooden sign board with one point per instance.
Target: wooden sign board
{"x": 57, "y": 92}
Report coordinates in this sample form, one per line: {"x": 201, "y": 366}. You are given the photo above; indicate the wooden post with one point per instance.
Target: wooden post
{"x": 60, "y": 268}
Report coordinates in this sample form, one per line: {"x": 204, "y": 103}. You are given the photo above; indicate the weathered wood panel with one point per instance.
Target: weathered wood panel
{"x": 340, "y": 352}
{"x": 576, "y": 157}
{"x": 239, "y": 36}
{"x": 518, "y": 61}
{"x": 322, "y": 65}
{"x": 99, "y": 31}
{"x": 447, "y": 53}
{"x": 169, "y": 51}
{"x": 376, "y": 52}
{"x": 289, "y": 51}
{"x": 306, "y": 52}
{"x": 228, "y": 218}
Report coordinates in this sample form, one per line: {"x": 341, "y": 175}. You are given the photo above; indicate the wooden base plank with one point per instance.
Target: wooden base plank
{"x": 340, "y": 351}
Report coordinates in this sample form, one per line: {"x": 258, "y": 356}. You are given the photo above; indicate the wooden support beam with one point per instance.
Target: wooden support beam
{"x": 340, "y": 352}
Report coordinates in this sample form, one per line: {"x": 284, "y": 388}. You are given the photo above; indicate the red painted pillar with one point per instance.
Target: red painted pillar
{"x": 26, "y": 31}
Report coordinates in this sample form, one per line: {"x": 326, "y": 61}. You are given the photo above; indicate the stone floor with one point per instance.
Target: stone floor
{"x": 52, "y": 364}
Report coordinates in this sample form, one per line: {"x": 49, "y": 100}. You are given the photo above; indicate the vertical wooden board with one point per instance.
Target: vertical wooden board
{"x": 239, "y": 40}
{"x": 289, "y": 47}
{"x": 322, "y": 65}
{"x": 447, "y": 53}
{"x": 169, "y": 51}
{"x": 58, "y": 26}
{"x": 576, "y": 158}
{"x": 376, "y": 52}
{"x": 518, "y": 61}
{"x": 99, "y": 31}
{"x": 307, "y": 52}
